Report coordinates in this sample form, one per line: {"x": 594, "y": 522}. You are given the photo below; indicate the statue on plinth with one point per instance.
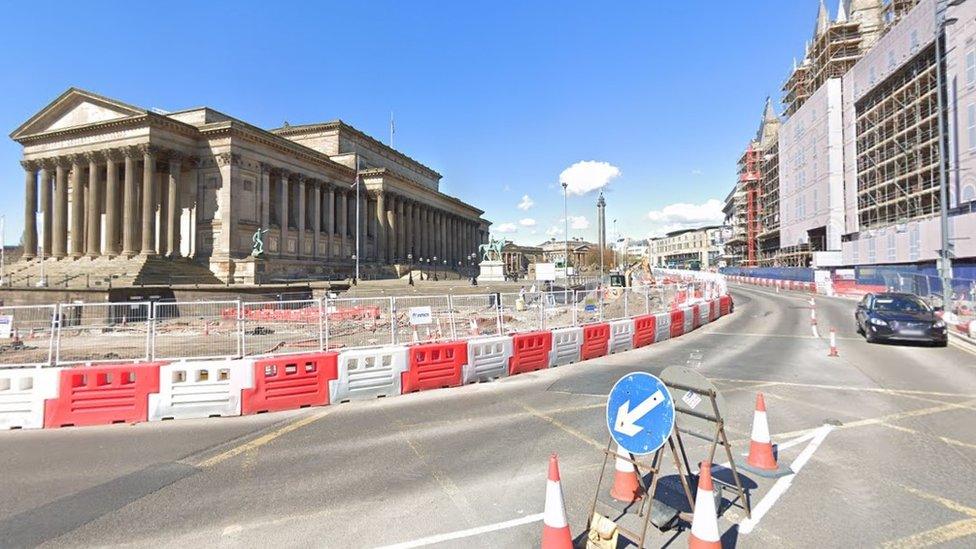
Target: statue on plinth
{"x": 257, "y": 243}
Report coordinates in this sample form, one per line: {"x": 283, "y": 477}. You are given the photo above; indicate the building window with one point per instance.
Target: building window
{"x": 872, "y": 250}
{"x": 971, "y": 125}
{"x": 971, "y": 67}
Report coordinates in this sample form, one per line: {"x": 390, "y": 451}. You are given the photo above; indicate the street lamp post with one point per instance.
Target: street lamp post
{"x": 355, "y": 278}
{"x": 435, "y": 268}
{"x": 474, "y": 277}
{"x": 410, "y": 267}
{"x": 945, "y": 253}
{"x": 566, "y": 220}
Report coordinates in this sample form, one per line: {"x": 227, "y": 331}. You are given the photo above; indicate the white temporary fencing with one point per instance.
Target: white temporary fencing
{"x": 30, "y": 330}
{"x": 559, "y": 309}
{"x": 22, "y": 395}
{"x": 589, "y": 307}
{"x": 197, "y": 329}
{"x": 103, "y": 332}
{"x": 282, "y": 327}
{"x": 369, "y": 373}
{"x": 488, "y": 358}
{"x": 475, "y": 315}
{"x": 621, "y": 335}
{"x": 522, "y": 312}
{"x": 566, "y": 344}
{"x": 356, "y": 322}
{"x": 199, "y": 389}
{"x": 423, "y": 319}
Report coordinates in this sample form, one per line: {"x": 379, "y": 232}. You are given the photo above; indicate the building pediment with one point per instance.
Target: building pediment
{"x": 75, "y": 108}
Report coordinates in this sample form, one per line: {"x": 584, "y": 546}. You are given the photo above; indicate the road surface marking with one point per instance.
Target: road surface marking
{"x": 947, "y": 440}
{"x": 563, "y": 426}
{"x": 848, "y": 388}
{"x": 753, "y": 334}
{"x": 941, "y": 534}
{"x": 885, "y": 418}
{"x": 784, "y": 483}
{"x": 264, "y": 439}
{"x": 441, "y": 538}
{"x": 961, "y": 346}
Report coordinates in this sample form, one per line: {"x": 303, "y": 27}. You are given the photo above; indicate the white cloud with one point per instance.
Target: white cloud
{"x": 527, "y": 222}
{"x": 587, "y": 176}
{"x": 553, "y": 231}
{"x": 579, "y": 222}
{"x": 526, "y": 203}
{"x": 505, "y": 228}
{"x": 685, "y": 216}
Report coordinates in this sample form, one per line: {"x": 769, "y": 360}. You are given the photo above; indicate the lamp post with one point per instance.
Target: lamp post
{"x": 355, "y": 278}
{"x": 945, "y": 253}
{"x": 474, "y": 278}
{"x": 435, "y": 268}
{"x": 445, "y": 269}
{"x": 410, "y": 266}
{"x": 566, "y": 220}
{"x": 420, "y": 262}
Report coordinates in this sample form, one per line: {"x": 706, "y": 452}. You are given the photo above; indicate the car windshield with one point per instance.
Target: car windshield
{"x": 904, "y": 303}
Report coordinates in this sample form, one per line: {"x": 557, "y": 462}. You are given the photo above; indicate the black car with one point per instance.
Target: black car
{"x": 899, "y": 316}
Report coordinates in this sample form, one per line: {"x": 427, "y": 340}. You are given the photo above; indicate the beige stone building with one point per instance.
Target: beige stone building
{"x": 120, "y": 190}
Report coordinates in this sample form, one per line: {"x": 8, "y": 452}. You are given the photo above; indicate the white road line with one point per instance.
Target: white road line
{"x": 440, "y": 538}
{"x": 783, "y": 484}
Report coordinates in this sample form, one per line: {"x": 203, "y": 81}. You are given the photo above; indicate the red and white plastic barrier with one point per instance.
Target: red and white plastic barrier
{"x": 645, "y": 327}
{"x": 22, "y": 396}
{"x": 102, "y": 395}
{"x": 596, "y": 339}
{"x": 365, "y": 374}
{"x": 290, "y": 382}
{"x": 487, "y": 359}
{"x": 434, "y": 366}
{"x": 621, "y": 335}
{"x": 200, "y": 389}
{"x": 566, "y": 345}
{"x": 530, "y": 352}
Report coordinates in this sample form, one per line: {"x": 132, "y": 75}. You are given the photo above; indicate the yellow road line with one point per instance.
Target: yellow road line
{"x": 264, "y": 439}
{"x": 936, "y": 536}
{"x": 563, "y": 426}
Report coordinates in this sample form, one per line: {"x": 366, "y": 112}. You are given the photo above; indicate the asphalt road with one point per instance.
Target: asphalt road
{"x": 894, "y": 467}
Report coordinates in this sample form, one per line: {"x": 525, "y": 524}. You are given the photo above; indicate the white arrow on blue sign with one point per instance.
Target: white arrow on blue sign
{"x": 640, "y": 413}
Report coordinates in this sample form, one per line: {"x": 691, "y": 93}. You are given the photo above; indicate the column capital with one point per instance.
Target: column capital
{"x": 115, "y": 155}
{"x": 300, "y": 178}
{"x": 93, "y": 157}
{"x": 76, "y": 159}
{"x": 280, "y": 172}
{"x": 265, "y": 167}
{"x": 30, "y": 165}
{"x": 48, "y": 163}
{"x": 173, "y": 155}
{"x": 147, "y": 148}
{"x": 227, "y": 159}
{"x": 132, "y": 151}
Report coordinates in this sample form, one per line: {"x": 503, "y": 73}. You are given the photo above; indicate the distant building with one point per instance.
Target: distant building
{"x": 699, "y": 248}
{"x": 554, "y": 251}
{"x": 519, "y": 259}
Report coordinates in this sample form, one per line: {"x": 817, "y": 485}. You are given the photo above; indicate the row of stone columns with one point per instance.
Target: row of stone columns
{"x": 125, "y": 203}
{"x": 409, "y": 227}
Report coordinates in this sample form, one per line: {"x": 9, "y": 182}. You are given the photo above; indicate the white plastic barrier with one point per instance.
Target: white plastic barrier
{"x": 703, "y": 309}
{"x": 689, "y": 320}
{"x": 621, "y": 335}
{"x": 487, "y": 359}
{"x": 565, "y": 346}
{"x": 22, "y": 395}
{"x": 369, "y": 373}
{"x": 200, "y": 389}
{"x": 662, "y": 327}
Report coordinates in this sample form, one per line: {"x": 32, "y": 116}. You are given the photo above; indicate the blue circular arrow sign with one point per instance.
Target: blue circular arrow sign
{"x": 640, "y": 413}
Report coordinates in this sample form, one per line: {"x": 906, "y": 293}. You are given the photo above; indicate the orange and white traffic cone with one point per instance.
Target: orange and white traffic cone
{"x": 833, "y": 343}
{"x": 704, "y": 524}
{"x": 762, "y": 460}
{"x": 626, "y": 485}
{"x": 416, "y": 336}
{"x": 473, "y": 326}
{"x": 813, "y": 317}
{"x": 555, "y": 527}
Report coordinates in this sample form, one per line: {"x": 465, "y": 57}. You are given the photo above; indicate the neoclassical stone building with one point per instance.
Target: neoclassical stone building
{"x": 112, "y": 187}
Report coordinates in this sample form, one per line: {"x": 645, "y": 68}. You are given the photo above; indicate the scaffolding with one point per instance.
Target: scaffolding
{"x": 797, "y": 88}
{"x": 894, "y": 10}
{"x": 750, "y": 165}
{"x": 835, "y": 51}
{"x": 898, "y": 146}
{"x": 768, "y": 237}
{"x": 795, "y": 256}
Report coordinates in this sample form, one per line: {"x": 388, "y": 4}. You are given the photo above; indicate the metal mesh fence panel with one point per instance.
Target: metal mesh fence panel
{"x": 102, "y": 332}
{"x": 358, "y": 322}
{"x": 282, "y": 327}
{"x": 209, "y": 329}
{"x": 588, "y": 304}
{"x": 475, "y": 315}
{"x": 423, "y": 318}
{"x": 615, "y": 301}
{"x": 521, "y": 312}
{"x": 560, "y": 309}
{"x": 27, "y": 335}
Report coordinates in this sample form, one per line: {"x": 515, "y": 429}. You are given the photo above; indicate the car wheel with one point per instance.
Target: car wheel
{"x": 868, "y": 337}
{"x": 942, "y": 343}
{"x": 857, "y": 326}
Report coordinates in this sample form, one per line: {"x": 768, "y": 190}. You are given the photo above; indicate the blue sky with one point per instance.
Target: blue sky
{"x": 499, "y": 97}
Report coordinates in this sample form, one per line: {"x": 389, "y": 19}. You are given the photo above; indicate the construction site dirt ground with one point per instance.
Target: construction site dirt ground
{"x": 883, "y": 437}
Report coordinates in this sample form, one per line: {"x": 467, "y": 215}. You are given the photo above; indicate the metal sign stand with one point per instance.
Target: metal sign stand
{"x": 647, "y": 503}
{"x": 718, "y": 437}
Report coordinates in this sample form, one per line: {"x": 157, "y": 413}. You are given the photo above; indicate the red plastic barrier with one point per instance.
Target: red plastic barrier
{"x": 695, "y": 317}
{"x": 596, "y": 338}
{"x": 644, "y": 328}
{"x": 725, "y": 304}
{"x": 290, "y": 382}
{"x": 434, "y": 365}
{"x": 677, "y": 323}
{"x": 530, "y": 352}
{"x": 102, "y": 395}
{"x": 713, "y": 310}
